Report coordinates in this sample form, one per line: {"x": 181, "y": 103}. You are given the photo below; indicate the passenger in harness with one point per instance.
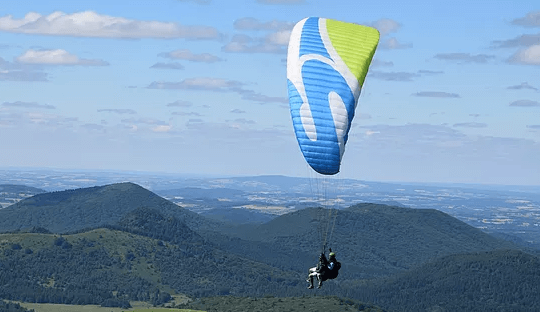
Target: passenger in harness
{"x": 326, "y": 269}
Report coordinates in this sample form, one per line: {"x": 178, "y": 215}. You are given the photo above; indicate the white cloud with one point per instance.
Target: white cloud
{"x": 393, "y": 76}
{"x": 280, "y": 38}
{"x": 20, "y": 72}
{"x": 271, "y": 43}
{"x": 523, "y": 85}
{"x": 185, "y": 54}
{"x": 379, "y": 63}
{"x": 200, "y": 83}
{"x": 242, "y": 121}
{"x": 20, "y": 104}
{"x": 260, "y": 98}
{"x": 187, "y": 114}
{"x": 217, "y": 85}
{"x": 436, "y": 94}
{"x": 393, "y": 44}
{"x": 144, "y": 121}
{"x": 173, "y": 65}
{"x": 521, "y": 41}
{"x": 532, "y": 19}
{"x": 470, "y": 125}
{"x": 386, "y": 26}
{"x": 92, "y": 24}
{"x": 180, "y": 103}
{"x": 162, "y": 128}
{"x": 56, "y": 57}
{"x": 528, "y": 56}
{"x": 117, "y": 111}
{"x": 525, "y": 103}
{"x": 464, "y": 57}
{"x": 430, "y": 72}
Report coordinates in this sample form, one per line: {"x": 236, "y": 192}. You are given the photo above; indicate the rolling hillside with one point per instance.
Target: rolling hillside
{"x": 373, "y": 240}
{"x": 501, "y": 280}
{"x": 73, "y": 210}
{"x": 119, "y": 243}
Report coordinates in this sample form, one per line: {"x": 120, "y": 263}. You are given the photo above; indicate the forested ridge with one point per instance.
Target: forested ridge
{"x": 396, "y": 258}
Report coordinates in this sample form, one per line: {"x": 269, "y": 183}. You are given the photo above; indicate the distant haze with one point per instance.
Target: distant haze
{"x": 199, "y": 87}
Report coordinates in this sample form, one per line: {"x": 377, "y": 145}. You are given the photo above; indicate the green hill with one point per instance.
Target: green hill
{"x": 122, "y": 243}
{"x": 105, "y": 266}
{"x": 73, "y": 210}
{"x": 373, "y": 240}
{"x": 15, "y": 189}
{"x": 501, "y": 280}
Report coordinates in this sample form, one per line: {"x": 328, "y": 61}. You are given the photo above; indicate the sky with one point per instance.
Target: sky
{"x": 199, "y": 87}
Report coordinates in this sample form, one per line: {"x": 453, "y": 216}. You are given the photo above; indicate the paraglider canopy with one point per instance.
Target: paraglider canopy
{"x": 327, "y": 63}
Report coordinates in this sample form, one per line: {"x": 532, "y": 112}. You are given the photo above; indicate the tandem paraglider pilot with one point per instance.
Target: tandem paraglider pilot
{"x": 326, "y": 269}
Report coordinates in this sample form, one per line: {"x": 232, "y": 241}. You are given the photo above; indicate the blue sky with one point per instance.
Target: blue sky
{"x": 453, "y": 93}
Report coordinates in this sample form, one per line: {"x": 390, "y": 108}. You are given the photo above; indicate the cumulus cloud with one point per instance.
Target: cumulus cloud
{"x": 20, "y": 104}
{"x": 180, "y": 103}
{"x": 56, "y": 57}
{"x": 243, "y": 121}
{"x": 525, "y": 103}
{"x": 144, "y": 121}
{"x": 261, "y": 98}
{"x": 187, "y": 114}
{"x": 430, "y": 72}
{"x": 185, "y": 54}
{"x": 92, "y": 24}
{"x": 533, "y": 127}
{"x": 38, "y": 118}
{"x": 470, "y": 125}
{"x": 20, "y": 72}
{"x": 217, "y": 85}
{"x": 117, "y": 111}
{"x": 250, "y": 23}
{"x": 162, "y": 128}
{"x": 520, "y": 41}
{"x": 201, "y": 83}
{"x": 363, "y": 116}
{"x": 238, "y": 111}
{"x": 393, "y": 76}
{"x": 386, "y": 26}
{"x": 436, "y": 94}
{"x": 523, "y": 85}
{"x": 532, "y": 19}
{"x": 271, "y": 43}
{"x": 528, "y": 56}
{"x": 464, "y": 57}
{"x": 379, "y": 63}
{"x": 173, "y": 65}
{"x": 393, "y": 44}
